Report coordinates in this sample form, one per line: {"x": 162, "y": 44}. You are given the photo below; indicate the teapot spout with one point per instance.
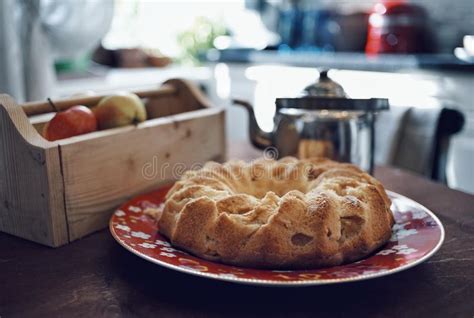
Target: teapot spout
{"x": 259, "y": 138}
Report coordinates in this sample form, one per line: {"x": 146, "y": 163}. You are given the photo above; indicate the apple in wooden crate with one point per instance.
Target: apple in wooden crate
{"x": 119, "y": 110}
{"x": 74, "y": 121}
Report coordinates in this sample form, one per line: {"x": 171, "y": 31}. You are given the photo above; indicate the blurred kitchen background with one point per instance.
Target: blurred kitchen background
{"x": 418, "y": 53}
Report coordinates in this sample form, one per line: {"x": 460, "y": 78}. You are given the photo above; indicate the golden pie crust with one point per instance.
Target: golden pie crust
{"x": 285, "y": 214}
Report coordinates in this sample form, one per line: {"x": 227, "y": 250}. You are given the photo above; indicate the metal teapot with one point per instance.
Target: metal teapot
{"x": 324, "y": 122}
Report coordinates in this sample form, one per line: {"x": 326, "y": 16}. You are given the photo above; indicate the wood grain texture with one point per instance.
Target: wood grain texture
{"x": 187, "y": 98}
{"x": 103, "y": 169}
{"x": 32, "y": 201}
{"x": 100, "y": 278}
{"x": 56, "y": 192}
{"x": 103, "y": 172}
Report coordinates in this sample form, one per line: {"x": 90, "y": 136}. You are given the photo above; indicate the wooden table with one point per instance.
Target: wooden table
{"x": 95, "y": 276}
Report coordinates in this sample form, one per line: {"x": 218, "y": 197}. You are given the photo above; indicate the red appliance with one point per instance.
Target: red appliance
{"x": 398, "y": 27}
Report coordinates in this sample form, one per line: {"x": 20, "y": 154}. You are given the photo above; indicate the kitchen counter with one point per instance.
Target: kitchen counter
{"x": 345, "y": 60}
{"x": 95, "y": 276}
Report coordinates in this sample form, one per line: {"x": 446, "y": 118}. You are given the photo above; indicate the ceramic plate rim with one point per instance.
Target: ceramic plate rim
{"x": 272, "y": 283}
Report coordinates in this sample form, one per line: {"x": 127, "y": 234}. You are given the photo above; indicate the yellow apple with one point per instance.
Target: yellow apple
{"x": 119, "y": 110}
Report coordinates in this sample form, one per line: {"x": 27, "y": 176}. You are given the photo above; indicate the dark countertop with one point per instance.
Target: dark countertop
{"x": 344, "y": 60}
{"x": 95, "y": 276}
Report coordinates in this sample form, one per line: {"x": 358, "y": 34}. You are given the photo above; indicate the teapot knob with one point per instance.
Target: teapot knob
{"x": 324, "y": 87}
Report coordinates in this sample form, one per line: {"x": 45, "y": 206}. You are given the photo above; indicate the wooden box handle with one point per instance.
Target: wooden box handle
{"x": 11, "y": 112}
{"x": 37, "y": 108}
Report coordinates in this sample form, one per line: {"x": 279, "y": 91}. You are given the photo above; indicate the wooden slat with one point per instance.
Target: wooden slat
{"x": 36, "y": 108}
{"x": 103, "y": 172}
{"x": 31, "y": 186}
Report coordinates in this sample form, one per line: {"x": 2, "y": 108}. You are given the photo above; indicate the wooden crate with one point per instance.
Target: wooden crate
{"x": 56, "y": 192}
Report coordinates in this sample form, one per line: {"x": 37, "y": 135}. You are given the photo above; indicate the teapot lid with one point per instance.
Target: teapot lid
{"x": 324, "y": 87}
{"x": 333, "y": 103}
{"x": 326, "y": 94}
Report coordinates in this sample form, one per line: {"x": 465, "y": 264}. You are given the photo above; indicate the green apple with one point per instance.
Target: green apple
{"x": 119, "y": 110}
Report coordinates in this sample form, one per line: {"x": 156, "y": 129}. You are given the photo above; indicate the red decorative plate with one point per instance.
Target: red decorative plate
{"x": 417, "y": 235}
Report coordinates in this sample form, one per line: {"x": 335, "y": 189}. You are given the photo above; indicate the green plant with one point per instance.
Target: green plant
{"x": 198, "y": 39}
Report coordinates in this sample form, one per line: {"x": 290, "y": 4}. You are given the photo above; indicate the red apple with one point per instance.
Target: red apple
{"x": 74, "y": 121}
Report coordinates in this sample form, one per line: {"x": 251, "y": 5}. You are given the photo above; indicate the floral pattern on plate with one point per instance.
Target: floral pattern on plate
{"x": 416, "y": 236}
